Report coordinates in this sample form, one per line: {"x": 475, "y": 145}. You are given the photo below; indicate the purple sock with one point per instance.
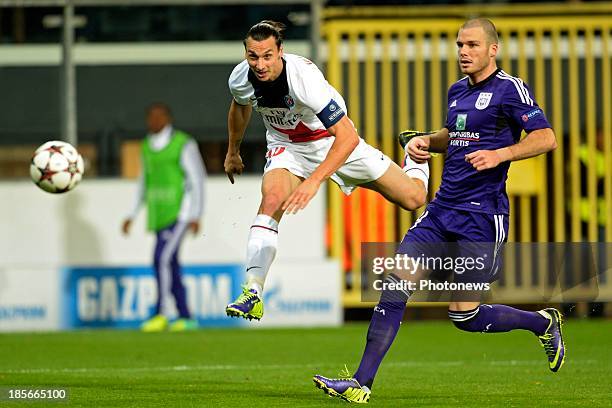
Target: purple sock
{"x": 383, "y": 327}
{"x": 499, "y": 318}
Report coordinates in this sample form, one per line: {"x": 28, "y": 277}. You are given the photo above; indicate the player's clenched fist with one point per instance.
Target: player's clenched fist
{"x": 233, "y": 165}
{"x": 418, "y": 149}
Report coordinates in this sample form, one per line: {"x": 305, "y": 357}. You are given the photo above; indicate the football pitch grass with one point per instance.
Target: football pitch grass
{"x": 431, "y": 364}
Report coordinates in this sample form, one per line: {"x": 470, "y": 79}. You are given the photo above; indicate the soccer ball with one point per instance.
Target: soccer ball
{"x": 56, "y": 167}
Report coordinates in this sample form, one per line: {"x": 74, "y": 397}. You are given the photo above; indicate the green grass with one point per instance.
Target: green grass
{"x": 431, "y": 364}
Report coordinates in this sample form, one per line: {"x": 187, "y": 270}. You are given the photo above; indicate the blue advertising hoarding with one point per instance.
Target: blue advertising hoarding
{"x": 123, "y": 297}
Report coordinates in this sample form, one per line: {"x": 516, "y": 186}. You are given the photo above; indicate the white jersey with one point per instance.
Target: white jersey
{"x": 298, "y": 106}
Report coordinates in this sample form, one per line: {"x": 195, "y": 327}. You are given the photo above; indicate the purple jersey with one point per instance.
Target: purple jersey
{"x": 486, "y": 116}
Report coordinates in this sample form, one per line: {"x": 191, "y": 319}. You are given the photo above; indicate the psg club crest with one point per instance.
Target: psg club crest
{"x": 483, "y": 100}
{"x": 289, "y": 101}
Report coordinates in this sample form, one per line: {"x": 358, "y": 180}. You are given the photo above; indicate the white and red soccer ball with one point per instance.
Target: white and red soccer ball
{"x": 57, "y": 167}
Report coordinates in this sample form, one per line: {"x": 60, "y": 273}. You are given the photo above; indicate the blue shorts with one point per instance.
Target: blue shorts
{"x": 457, "y": 236}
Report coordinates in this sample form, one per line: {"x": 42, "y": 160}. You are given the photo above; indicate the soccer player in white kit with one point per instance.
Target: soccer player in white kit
{"x": 310, "y": 139}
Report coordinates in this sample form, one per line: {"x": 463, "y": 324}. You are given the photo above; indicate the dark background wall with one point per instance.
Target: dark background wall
{"x": 113, "y": 98}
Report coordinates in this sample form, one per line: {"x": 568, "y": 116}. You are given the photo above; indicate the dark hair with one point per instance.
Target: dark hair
{"x": 266, "y": 29}
{"x": 487, "y": 26}
{"x": 161, "y": 106}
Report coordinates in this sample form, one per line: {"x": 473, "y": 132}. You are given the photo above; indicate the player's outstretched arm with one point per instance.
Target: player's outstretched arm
{"x": 346, "y": 141}
{"x": 535, "y": 143}
{"x": 237, "y": 121}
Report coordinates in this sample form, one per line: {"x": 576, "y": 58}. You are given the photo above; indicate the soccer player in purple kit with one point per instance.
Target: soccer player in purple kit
{"x": 487, "y": 110}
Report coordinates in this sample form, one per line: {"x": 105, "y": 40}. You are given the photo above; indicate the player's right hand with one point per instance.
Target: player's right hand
{"x": 233, "y": 165}
{"x": 418, "y": 149}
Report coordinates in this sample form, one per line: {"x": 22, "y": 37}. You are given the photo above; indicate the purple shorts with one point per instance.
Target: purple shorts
{"x": 468, "y": 244}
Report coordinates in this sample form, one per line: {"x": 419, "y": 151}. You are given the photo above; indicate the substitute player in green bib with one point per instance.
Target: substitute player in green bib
{"x": 172, "y": 186}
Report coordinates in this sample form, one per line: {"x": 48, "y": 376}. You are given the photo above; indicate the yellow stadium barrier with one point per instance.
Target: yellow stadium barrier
{"x": 394, "y": 65}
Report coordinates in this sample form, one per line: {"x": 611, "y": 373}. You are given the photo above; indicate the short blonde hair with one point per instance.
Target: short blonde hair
{"x": 487, "y": 26}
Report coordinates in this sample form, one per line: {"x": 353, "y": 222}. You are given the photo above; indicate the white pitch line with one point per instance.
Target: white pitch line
{"x": 229, "y": 367}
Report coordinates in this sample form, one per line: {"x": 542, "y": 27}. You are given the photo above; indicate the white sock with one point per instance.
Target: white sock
{"x": 261, "y": 249}
{"x": 417, "y": 170}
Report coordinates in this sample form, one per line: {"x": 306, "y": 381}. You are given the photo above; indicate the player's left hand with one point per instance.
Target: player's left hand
{"x": 301, "y": 196}
{"x": 483, "y": 159}
{"x": 194, "y": 227}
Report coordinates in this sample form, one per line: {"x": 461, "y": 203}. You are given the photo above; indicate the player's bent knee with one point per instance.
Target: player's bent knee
{"x": 410, "y": 197}
{"x": 414, "y": 200}
{"x": 419, "y": 200}
{"x": 271, "y": 202}
{"x": 466, "y": 320}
